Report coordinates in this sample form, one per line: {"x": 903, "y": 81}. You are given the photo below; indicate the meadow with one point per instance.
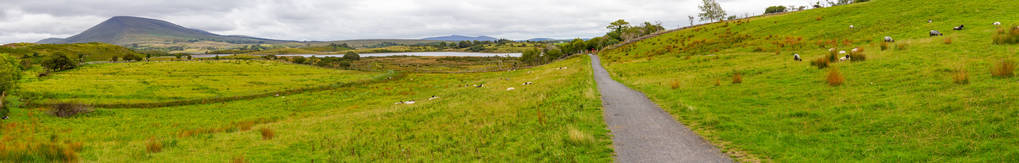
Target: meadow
{"x": 919, "y": 99}
{"x": 147, "y": 82}
{"x": 556, "y": 119}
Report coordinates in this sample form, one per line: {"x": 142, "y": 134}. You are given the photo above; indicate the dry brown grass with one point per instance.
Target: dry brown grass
{"x": 901, "y": 46}
{"x": 154, "y": 146}
{"x": 948, "y": 40}
{"x": 737, "y": 79}
{"x": 674, "y": 84}
{"x": 835, "y": 78}
{"x": 820, "y": 63}
{"x": 1003, "y": 69}
{"x": 884, "y": 46}
{"x": 960, "y": 76}
{"x": 267, "y": 134}
{"x": 718, "y": 82}
{"x": 578, "y": 137}
{"x": 237, "y": 159}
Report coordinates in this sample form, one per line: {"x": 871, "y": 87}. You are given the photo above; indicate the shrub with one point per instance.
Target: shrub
{"x": 1003, "y": 69}
{"x": 821, "y": 63}
{"x": 900, "y": 46}
{"x": 835, "y": 78}
{"x": 267, "y": 134}
{"x": 58, "y": 62}
{"x": 884, "y": 46}
{"x": 960, "y": 76}
{"x": 948, "y": 40}
{"x": 775, "y": 9}
{"x": 1010, "y": 36}
{"x": 674, "y": 84}
{"x": 858, "y": 55}
{"x": 351, "y": 55}
{"x": 736, "y": 79}
{"x": 65, "y": 110}
{"x": 154, "y": 146}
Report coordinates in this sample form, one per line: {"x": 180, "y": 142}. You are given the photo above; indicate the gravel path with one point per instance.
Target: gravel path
{"x": 643, "y": 132}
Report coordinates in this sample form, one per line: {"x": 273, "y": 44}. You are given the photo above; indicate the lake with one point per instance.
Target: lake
{"x": 423, "y": 54}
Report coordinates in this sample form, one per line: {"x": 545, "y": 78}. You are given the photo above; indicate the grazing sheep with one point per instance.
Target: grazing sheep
{"x": 959, "y": 27}
{"x": 5, "y": 117}
{"x": 855, "y": 50}
{"x": 842, "y": 52}
{"x": 528, "y": 83}
{"x": 796, "y": 57}
{"x": 846, "y": 58}
{"x": 409, "y": 102}
{"x": 997, "y": 23}
{"x": 479, "y": 85}
{"x": 510, "y": 89}
{"x": 889, "y": 39}
{"x": 398, "y": 103}
{"x": 930, "y": 21}
{"x": 936, "y": 33}
{"x": 433, "y": 98}
{"x": 851, "y": 26}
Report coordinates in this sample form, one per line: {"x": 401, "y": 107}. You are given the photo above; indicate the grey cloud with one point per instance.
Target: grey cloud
{"x": 32, "y": 20}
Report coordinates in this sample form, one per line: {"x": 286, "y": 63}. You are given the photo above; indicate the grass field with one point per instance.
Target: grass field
{"x": 91, "y": 51}
{"x": 439, "y": 64}
{"x": 557, "y": 119}
{"x": 902, "y": 104}
{"x": 145, "y": 82}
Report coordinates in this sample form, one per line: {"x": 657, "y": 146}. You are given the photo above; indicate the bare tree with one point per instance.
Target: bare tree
{"x": 691, "y": 20}
{"x": 711, "y": 11}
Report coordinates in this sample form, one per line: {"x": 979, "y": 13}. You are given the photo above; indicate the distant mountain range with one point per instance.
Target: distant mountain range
{"x": 123, "y": 30}
{"x": 461, "y": 38}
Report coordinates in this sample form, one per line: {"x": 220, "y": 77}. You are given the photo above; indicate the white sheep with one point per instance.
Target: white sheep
{"x": 855, "y": 50}
{"x": 845, "y": 58}
{"x": 889, "y": 39}
{"x": 528, "y": 83}
{"x": 510, "y": 89}
{"x": 433, "y": 98}
{"x": 409, "y": 102}
{"x": 5, "y": 117}
{"x": 851, "y": 26}
{"x": 997, "y": 23}
{"x": 796, "y": 57}
{"x": 843, "y": 52}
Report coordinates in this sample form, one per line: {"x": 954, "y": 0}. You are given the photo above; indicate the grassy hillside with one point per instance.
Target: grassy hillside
{"x": 145, "y": 82}
{"x": 92, "y": 51}
{"x": 901, "y": 104}
{"x": 557, "y": 119}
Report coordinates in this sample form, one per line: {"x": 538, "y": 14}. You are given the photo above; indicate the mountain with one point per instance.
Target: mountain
{"x": 541, "y": 39}
{"x": 123, "y": 30}
{"x": 461, "y": 38}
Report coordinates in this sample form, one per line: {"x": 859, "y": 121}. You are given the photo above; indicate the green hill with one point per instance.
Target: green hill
{"x": 92, "y": 51}
{"x": 919, "y": 99}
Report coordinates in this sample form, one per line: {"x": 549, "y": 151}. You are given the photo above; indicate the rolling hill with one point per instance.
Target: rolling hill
{"x": 917, "y": 99}
{"x": 461, "y": 38}
{"x": 124, "y": 30}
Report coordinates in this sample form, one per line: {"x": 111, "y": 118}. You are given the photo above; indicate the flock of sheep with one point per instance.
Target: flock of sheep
{"x": 796, "y": 57}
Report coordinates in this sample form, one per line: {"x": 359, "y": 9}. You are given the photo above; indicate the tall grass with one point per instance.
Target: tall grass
{"x": 267, "y": 133}
{"x": 737, "y": 78}
{"x": 1003, "y": 69}
{"x": 154, "y": 146}
{"x": 960, "y": 76}
{"x": 1007, "y": 35}
{"x": 835, "y": 78}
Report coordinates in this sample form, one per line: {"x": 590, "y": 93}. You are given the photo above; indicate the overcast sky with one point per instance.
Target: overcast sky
{"x": 33, "y": 20}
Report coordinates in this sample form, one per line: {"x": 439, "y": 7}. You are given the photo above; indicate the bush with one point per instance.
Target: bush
{"x": 154, "y": 146}
{"x": 960, "y": 76}
{"x": 884, "y": 46}
{"x": 858, "y": 55}
{"x": 775, "y": 9}
{"x": 267, "y": 134}
{"x": 65, "y": 110}
{"x": 820, "y": 63}
{"x": 350, "y": 55}
{"x": 132, "y": 57}
{"x": 736, "y": 79}
{"x": 1003, "y": 69}
{"x": 58, "y": 62}
{"x": 674, "y": 84}
{"x": 1004, "y": 36}
{"x": 835, "y": 78}
{"x": 948, "y": 40}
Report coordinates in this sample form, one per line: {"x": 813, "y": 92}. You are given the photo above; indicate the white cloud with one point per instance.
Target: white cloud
{"x": 32, "y": 20}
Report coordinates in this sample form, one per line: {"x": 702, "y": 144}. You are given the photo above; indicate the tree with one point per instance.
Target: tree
{"x": 351, "y": 55}
{"x": 711, "y": 11}
{"x": 775, "y": 9}
{"x": 10, "y": 73}
{"x": 618, "y": 25}
{"x": 59, "y": 62}
{"x": 691, "y": 20}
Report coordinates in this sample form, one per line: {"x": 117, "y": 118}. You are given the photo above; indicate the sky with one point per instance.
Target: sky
{"x": 325, "y": 20}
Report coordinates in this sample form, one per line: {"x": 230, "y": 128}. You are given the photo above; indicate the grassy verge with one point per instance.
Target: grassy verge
{"x": 557, "y": 119}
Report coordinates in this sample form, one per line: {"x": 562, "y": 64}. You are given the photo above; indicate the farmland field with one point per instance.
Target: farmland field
{"x": 145, "y": 82}
{"x": 557, "y": 119}
{"x": 919, "y": 99}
